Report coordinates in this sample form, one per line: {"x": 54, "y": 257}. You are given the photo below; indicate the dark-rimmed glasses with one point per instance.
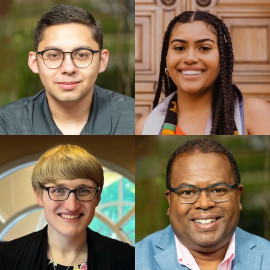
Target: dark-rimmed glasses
{"x": 83, "y": 194}
{"x": 190, "y": 194}
{"x": 81, "y": 57}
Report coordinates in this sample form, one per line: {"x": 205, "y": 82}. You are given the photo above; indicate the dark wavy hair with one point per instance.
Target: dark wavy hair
{"x": 202, "y": 145}
{"x": 63, "y": 14}
{"x": 223, "y": 96}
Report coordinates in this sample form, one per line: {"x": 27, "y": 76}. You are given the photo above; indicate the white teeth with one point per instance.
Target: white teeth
{"x": 204, "y": 221}
{"x": 69, "y": 216}
{"x": 191, "y": 72}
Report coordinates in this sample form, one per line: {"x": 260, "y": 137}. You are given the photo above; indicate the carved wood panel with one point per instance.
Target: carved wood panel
{"x": 249, "y": 25}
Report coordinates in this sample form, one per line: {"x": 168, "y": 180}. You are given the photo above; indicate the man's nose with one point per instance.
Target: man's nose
{"x": 68, "y": 66}
{"x": 204, "y": 202}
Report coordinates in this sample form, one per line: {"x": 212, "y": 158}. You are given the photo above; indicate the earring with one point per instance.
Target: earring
{"x": 168, "y": 78}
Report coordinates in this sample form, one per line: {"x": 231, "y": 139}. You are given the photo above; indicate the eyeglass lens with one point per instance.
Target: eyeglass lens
{"x": 191, "y": 194}
{"x": 81, "y": 58}
{"x": 82, "y": 194}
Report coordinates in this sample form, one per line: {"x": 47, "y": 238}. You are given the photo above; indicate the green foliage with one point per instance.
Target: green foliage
{"x": 17, "y": 39}
{"x": 152, "y": 155}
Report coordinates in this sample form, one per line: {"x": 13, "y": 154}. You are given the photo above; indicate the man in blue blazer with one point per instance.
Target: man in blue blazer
{"x": 203, "y": 192}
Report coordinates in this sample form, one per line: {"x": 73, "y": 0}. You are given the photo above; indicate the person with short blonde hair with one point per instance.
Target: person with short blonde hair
{"x": 66, "y": 162}
{"x": 67, "y": 183}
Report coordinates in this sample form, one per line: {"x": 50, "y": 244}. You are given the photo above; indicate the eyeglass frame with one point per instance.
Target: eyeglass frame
{"x": 63, "y": 59}
{"x": 236, "y": 185}
{"x": 69, "y": 191}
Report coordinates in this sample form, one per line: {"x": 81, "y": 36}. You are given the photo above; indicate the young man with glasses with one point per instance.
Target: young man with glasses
{"x": 68, "y": 57}
{"x": 67, "y": 183}
{"x": 203, "y": 192}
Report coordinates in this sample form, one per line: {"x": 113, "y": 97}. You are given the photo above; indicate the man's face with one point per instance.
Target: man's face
{"x": 203, "y": 170}
{"x": 68, "y": 83}
{"x": 70, "y": 217}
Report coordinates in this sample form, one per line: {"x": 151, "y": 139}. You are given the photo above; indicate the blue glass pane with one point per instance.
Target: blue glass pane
{"x": 129, "y": 190}
{"x": 115, "y": 207}
{"x": 98, "y": 226}
{"x": 111, "y": 212}
{"x": 126, "y": 209}
{"x": 129, "y": 229}
{"x": 110, "y": 193}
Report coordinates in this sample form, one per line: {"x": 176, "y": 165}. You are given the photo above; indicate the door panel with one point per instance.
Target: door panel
{"x": 248, "y": 22}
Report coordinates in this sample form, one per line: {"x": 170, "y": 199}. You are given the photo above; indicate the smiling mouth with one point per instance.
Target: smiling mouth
{"x": 191, "y": 72}
{"x": 205, "y": 221}
{"x": 70, "y": 216}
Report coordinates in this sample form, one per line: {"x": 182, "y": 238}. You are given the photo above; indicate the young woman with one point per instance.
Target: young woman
{"x": 196, "y": 74}
{"x": 67, "y": 182}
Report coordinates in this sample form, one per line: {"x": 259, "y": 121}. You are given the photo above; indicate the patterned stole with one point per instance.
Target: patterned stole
{"x": 170, "y": 121}
{"x": 170, "y": 127}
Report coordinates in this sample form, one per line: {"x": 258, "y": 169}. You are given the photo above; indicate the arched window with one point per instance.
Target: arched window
{"x": 20, "y": 215}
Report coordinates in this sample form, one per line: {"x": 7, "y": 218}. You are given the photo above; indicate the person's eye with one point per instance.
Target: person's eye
{"x": 219, "y": 190}
{"x": 84, "y": 191}
{"x": 58, "y": 190}
{"x": 53, "y": 55}
{"x": 187, "y": 192}
{"x": 179, "y": 48}
{"x": 81, "y": 54}
{"x": 205, "y": 48}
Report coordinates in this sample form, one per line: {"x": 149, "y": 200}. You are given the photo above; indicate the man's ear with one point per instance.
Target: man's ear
{"x": 168, "y": 196}
{"x": 38, "y": 199}
{"x": 32, "y": 62}
{"x": 240, "y": 190}
{"x": 104, "y": 58}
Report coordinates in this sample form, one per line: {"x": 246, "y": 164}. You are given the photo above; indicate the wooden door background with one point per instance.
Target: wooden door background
{"x": 248, "y": 22}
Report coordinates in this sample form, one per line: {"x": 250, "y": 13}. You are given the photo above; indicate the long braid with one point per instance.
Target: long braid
{"x": 223, "y": 112}
{"x": 223, "y": 95}
{"x": 163, "y": 81}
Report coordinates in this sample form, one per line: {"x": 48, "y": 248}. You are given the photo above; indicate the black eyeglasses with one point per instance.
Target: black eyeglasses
{"x": 83, "y": 194}
{"x": 216, "y": 192}
{"x": 54, "y": 58}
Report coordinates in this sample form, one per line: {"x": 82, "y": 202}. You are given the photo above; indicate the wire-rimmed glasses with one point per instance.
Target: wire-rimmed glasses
{"x": 190, "y": 194}
{"x": 59, "y": 193}
{"x": 81, "y": 57}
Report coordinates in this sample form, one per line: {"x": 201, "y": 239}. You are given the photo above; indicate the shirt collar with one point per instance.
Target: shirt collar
{"x": 98, "y": 123}
{"x": 185, "y": 258}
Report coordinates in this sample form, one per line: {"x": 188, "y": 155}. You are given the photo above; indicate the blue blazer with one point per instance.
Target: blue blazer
{"x": 158, "y": 252}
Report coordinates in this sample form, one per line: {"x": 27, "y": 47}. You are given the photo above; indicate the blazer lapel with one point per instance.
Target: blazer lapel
{"x": 166, "y": 257}
{"x": 245, "y": 256}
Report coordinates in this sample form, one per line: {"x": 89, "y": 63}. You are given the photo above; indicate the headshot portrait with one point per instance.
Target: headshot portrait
{"x": 66, "y": 208}
{"x": 204, "y": 205}
{"x": 204, "y": 75}
{"x": 67, "y": 54}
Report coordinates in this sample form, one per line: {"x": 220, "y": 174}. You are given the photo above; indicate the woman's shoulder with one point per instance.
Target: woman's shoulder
{"x": 256, "y": 112}
{"x": 140, "y": 124}
{"x": 24, "y": 249}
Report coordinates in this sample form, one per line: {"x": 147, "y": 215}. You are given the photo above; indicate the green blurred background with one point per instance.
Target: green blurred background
{"x": 252, "y": 154}
{"x": 18, "y": 19}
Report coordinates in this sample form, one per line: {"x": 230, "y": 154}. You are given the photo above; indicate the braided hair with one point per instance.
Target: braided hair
{"x": 223, "y": 95}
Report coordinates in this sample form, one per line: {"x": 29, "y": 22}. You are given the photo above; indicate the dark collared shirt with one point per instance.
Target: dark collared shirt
{"x": 111, "y": 114}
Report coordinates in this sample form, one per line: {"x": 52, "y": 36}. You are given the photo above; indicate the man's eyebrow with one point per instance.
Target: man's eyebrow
{"x": 57, "y": 48}
{"x": 190, "y": 185}
{"x": 196, "y": 42}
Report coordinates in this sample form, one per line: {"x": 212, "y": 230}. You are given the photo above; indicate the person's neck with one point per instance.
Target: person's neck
{"x": 70, "y": 117}
{"x": 193, "y": 112}
{"x": 64, "y": 249}
{"x": 209, "y": 260}
{"x": 193, "y": 103}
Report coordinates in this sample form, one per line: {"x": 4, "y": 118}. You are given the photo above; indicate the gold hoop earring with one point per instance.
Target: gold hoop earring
{"x": 168, "y": 77}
